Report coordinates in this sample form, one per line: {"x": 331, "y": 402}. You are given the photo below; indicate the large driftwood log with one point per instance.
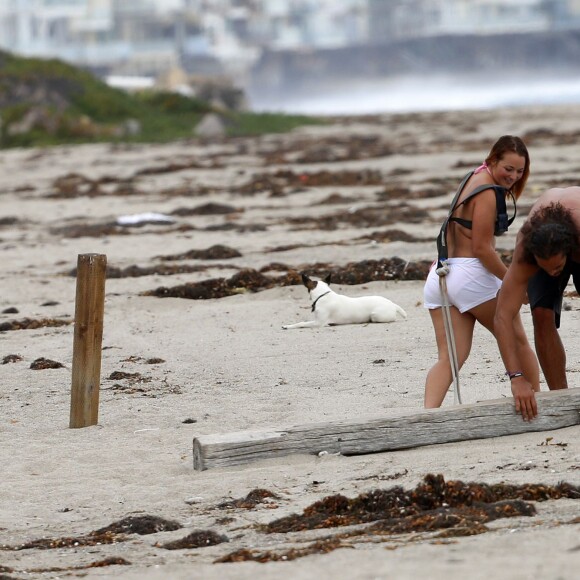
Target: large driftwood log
{"x": 495, "y": 418}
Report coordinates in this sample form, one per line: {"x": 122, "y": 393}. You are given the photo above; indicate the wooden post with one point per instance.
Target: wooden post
{"x": 88, "y": 336}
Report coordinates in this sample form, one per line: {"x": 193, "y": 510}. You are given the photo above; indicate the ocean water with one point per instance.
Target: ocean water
{"x": 408, "y": 94}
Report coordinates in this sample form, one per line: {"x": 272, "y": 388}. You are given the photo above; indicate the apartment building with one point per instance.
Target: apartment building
{"x": 398, "y": 19}
{"x": 46, "y": 27}
{"x": 147, "y": 37}
{"x": 493, "y": 16}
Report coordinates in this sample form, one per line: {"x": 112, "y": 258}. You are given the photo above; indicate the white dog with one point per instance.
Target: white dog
{"x": 332, "y": 308}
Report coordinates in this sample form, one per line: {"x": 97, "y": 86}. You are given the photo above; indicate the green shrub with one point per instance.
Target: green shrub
{"x": 260, "y": 123}
{"x": 173, "y": 103}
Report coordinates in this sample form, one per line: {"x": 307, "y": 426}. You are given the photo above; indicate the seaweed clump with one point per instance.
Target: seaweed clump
{"x": 111, "y": 534}
{"x": 255, "y": 497}
{"x": 250, "y": 280}
{"x": 197, "y": 539}
{"x": 393, "y": 505}
{"x": 441, "y": 509}
{"x": 31, "y": 323}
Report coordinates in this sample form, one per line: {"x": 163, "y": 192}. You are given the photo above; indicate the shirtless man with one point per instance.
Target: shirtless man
{"x": 547, "y": 253}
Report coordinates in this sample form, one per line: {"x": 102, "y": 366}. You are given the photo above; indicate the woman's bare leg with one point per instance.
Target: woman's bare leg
{"x": 439, "y": 377}
{"x": 484, "y": 314}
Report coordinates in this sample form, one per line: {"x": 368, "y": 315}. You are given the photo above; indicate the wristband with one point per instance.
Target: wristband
{"x": 514, "y": 375}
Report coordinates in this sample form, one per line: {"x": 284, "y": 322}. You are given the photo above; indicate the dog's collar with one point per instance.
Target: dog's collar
{"x": 321, "y": 296}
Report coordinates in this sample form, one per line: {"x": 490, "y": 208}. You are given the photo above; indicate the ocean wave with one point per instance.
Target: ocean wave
{"x": 411, "y": 94}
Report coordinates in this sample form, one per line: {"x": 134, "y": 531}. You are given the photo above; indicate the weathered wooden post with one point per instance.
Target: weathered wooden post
{"x": 88, "y": 336}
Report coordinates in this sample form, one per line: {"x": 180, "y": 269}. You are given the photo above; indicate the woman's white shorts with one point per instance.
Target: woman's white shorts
{"x": 469, "y": 284}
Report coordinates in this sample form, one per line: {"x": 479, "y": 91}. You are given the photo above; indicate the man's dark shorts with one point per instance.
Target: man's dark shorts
{"x": 546, "y": 291}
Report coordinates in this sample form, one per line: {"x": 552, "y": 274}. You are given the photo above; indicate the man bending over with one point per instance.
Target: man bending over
{"x": 547, "y": 253}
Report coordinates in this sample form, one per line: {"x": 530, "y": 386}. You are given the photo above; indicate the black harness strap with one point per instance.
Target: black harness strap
{"x": 321, "y": 296}
{"x": 502, "y": 221}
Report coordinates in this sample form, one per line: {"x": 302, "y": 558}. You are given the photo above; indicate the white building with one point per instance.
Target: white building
{"x": 47, "y": 27}
{"x": 148, "y": 36}
{"x": 491, "y": 16}
{"x": 399, "y": 19}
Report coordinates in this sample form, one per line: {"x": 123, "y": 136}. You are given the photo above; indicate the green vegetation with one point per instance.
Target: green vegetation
{"x": 260, "y": 123}
{"x": 48, "y": 102}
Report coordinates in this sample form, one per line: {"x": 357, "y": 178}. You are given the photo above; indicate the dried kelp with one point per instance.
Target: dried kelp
{"x": 160, "y": 270}
{"x": 400, "y": 192}
{"x": 113, "y": 561}
{"x": 74, "y": 185}
{"x": 111, "y": 534}
{"x": 471, "y": 518}
{"x": 328, "y": 149}
{"x": 120, "y": 375}
{"x": 434, "y": 493}
{"x": 178, "y": 166}
{"x": 276, "y": 183}
{"x": 197, "y": 539}
{"x": 245, "y": 280}
{"x": 42, "y": 363}
{"x": 32, "y": 323}
{"x": 141, "y": 525}
{"x": 101, "y": 230}
{"x": 364, "y": 217}
{"x": 319, "y": 547}
{"x": 215, "y": 252}
{"x": 210, "y": 208}
{"x": 255, "y": 497}
{"x": 387, "y": 236}
{"x": 249, "y": 280}
{"x": 8, "y": 221}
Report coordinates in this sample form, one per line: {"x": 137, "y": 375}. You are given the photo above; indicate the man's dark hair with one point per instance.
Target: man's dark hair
{"x": 548, "y": 232}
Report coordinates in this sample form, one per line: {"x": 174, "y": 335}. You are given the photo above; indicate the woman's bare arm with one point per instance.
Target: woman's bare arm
{"x": 482, "y": 239}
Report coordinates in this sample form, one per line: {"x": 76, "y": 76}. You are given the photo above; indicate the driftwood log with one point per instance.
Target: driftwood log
{"x": 495, "y": 418}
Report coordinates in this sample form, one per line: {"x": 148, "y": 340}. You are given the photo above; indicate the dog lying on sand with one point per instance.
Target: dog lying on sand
{"x": 332, "y": 308}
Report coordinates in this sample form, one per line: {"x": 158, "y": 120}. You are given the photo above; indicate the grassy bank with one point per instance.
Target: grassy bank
{"x": 49, "y": 102}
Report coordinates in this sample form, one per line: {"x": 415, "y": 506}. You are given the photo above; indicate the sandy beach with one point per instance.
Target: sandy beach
{"x": 232, "y": 223}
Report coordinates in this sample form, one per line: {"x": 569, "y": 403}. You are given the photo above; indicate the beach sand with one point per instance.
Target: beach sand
{"x": 322, "y": 199}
